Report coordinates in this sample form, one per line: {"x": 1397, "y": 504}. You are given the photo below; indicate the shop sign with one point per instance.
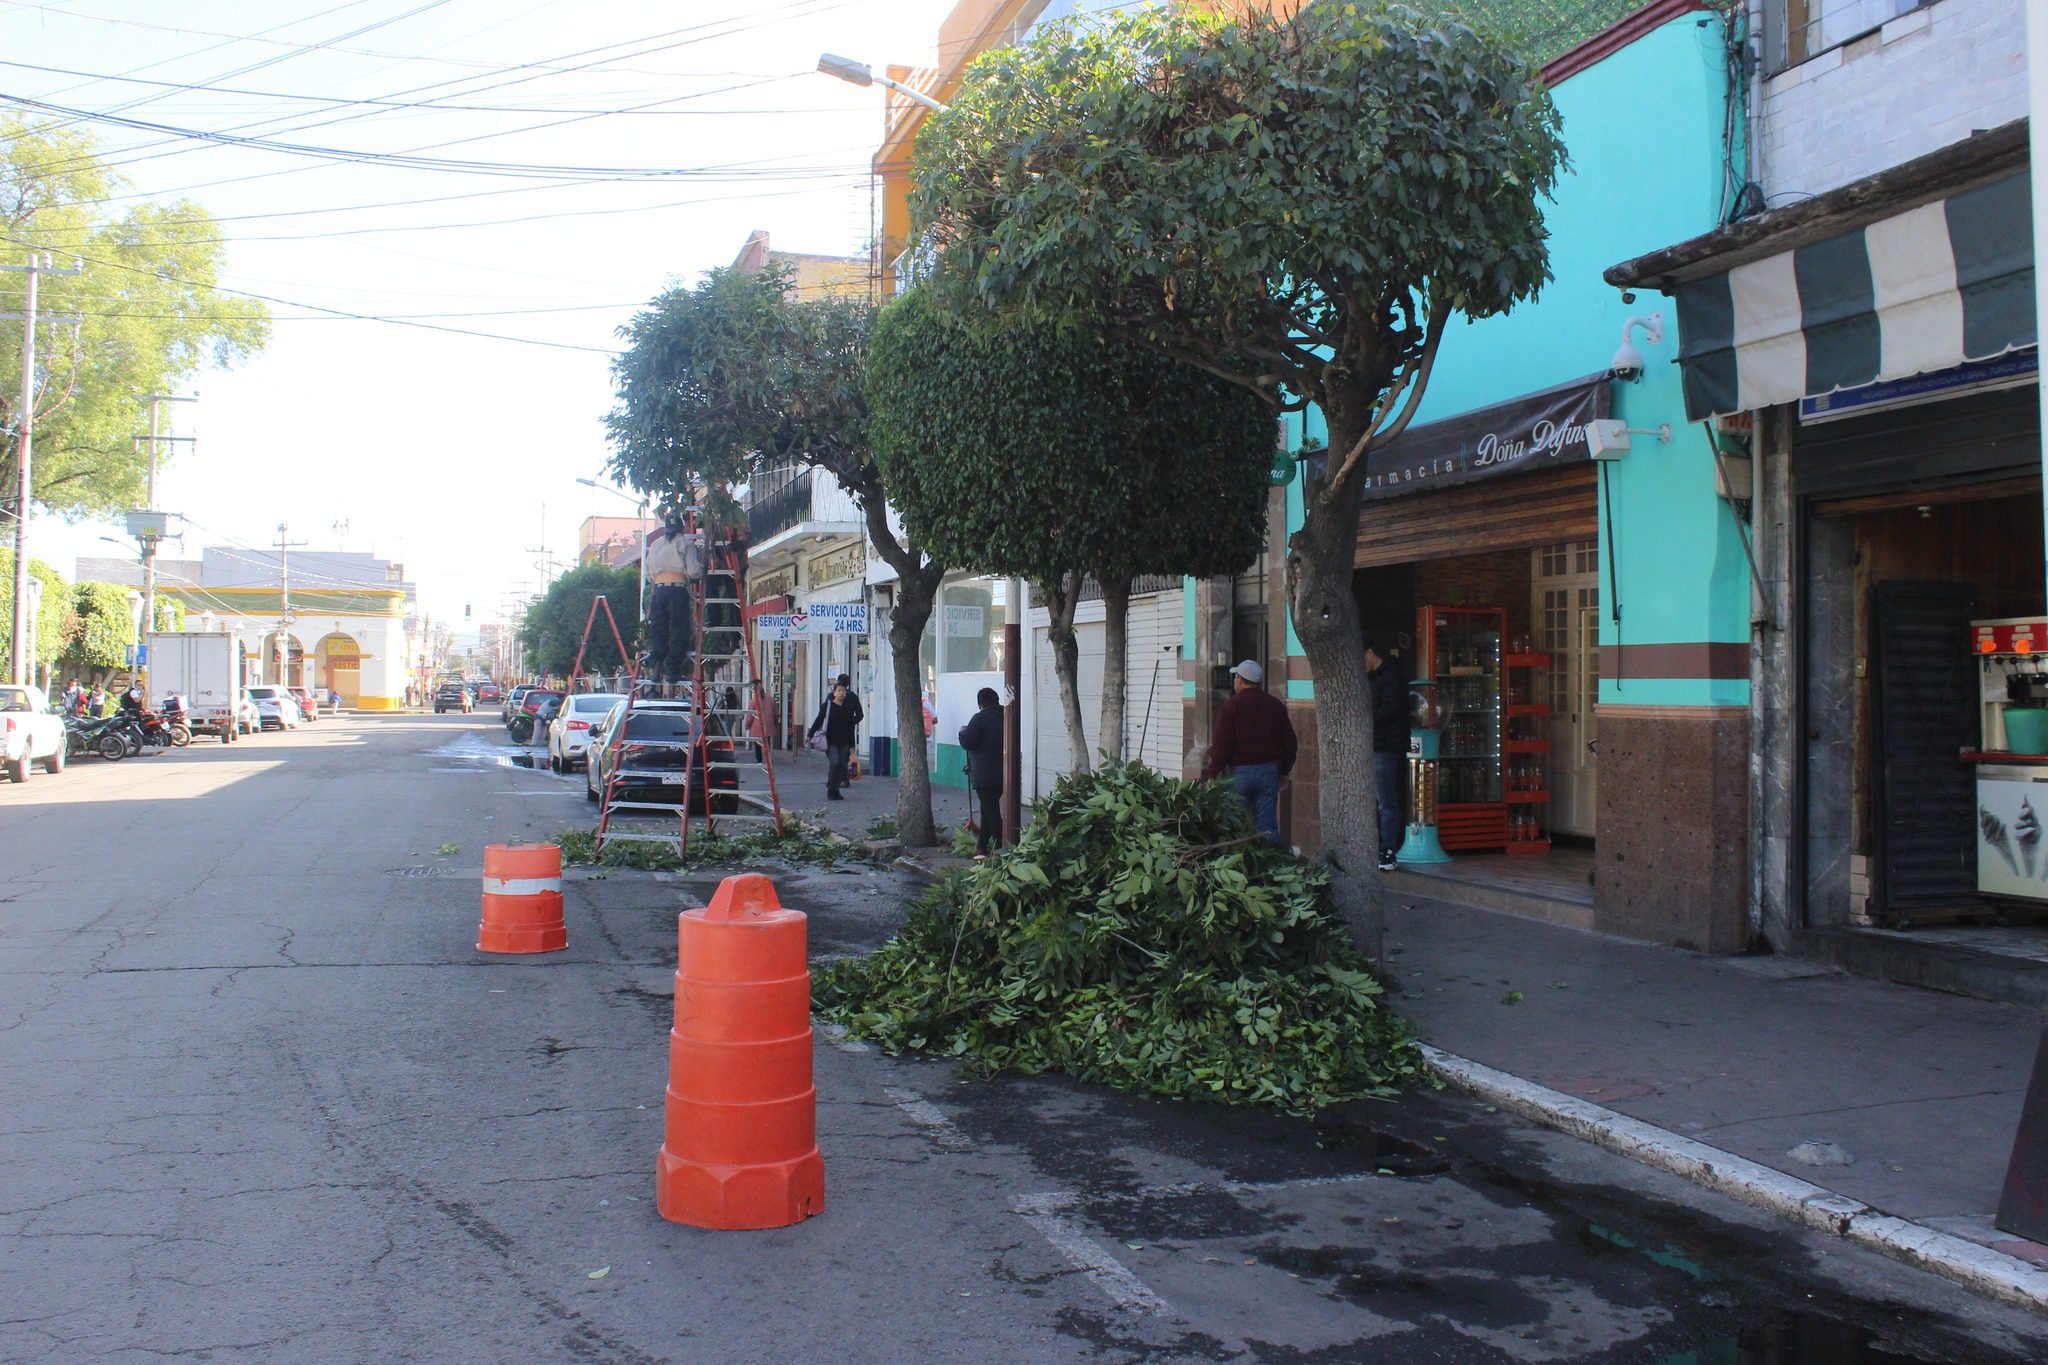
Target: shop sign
{"x": 1536, "y": 431}
{"x": 780, "y": 583}
{"x": 839, "y": 566}
{"x": 1976, "y": 376}
{"x": 839, "y": 618}
{"x": 965, "y": 621}
{"x": 782, "y": 626}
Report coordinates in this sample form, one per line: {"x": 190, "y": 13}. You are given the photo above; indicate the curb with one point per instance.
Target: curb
{"x": 1988, "y": 1272}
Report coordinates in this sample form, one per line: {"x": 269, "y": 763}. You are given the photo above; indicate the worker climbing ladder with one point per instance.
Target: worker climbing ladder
{"x": 725, "y": 770}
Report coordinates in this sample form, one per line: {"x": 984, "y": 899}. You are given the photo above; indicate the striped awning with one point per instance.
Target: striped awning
{"x": 1925, "y": 289}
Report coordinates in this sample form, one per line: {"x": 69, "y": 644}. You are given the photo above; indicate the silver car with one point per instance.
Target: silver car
{"x": 275, "y": 707}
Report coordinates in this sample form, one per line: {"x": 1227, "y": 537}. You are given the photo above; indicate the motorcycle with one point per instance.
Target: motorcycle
{"x": 107, "y": 736}
{"x": 175, "y": 718}
{"x": 159, "y": 731}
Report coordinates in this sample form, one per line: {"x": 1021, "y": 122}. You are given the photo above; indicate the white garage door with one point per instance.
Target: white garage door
{"x": 1152, "y": 694}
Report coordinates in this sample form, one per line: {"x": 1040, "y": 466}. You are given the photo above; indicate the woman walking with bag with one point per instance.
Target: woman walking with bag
{"x": 837, "y": 718}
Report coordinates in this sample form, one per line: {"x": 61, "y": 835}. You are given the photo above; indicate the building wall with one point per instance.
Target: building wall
{"x": 1925, "y": 80}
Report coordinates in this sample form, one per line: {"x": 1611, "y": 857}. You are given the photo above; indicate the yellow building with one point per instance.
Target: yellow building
{"x": 812, "y": 276}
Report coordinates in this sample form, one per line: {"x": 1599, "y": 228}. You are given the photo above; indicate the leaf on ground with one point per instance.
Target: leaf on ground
{"x": 1511, "y": 998}
{"x": 599, "y": 1273}
{"x": 447, "y": 849}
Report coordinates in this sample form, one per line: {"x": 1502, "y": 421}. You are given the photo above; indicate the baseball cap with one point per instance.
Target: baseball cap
{"x": 1250, "y": 671}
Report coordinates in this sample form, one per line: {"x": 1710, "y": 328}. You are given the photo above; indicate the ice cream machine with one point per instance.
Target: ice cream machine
{"x": 2012, "y": 762}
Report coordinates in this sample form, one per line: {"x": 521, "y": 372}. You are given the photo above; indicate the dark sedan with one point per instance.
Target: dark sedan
{"x": 653, "y": 755}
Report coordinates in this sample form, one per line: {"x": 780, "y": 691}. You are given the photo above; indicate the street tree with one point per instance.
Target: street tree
{"x": 149, "y": 315}
{"x": 54, "y": 619}
{"x": 555, "y": 621}
{"x": 735, "y": 375}
{"x": 1302, "y": 205}
{"x": 1063, "y": 457}
{"x": 104, "y": 629}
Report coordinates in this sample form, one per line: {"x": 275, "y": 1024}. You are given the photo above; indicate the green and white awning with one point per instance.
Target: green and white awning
{"x": 1925, "y": 289}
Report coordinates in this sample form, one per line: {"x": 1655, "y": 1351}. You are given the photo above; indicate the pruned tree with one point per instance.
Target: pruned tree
{"x": 149, "y": 315}
{"x": 105, "y": 628}
{"x": 1063, "y": 457}
{"x": 735, "y": 375}
{"x": 1302, "y": 205}
{"x": 53, "y": 621}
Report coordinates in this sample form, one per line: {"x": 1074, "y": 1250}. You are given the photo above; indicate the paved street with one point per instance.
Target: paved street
{"x": 265, "y": 1102}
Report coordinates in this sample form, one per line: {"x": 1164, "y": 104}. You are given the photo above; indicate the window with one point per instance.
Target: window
{"x": 1795, "y": 30}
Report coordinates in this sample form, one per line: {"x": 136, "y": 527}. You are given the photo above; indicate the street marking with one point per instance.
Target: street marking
{"x": 1111, "y": 1276}
{"x": 926, "y": 1115}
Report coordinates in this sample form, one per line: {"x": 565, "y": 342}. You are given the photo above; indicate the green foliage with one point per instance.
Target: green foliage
{"x": 150, "y": 316}
{"x": 555, "y": 621}
{"x": 797, "y": 844}
{"x": 170, "y": 612}
{"x": 1141, "y": 934}
{"x": 1258, "y": 196}
{"x": 1013, "y": 449}
{"x": 105, "y": 629}
{"x": 53, "y": 621}
{"x": 733, "y": 375}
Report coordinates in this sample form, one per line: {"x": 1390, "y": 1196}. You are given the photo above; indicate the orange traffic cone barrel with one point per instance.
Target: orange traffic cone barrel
{"x": 522, "y": 900}
{"x": 739, "y": 1142}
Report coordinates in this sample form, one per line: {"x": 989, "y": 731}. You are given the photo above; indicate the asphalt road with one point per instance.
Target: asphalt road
{"x": 262, "y": 1100}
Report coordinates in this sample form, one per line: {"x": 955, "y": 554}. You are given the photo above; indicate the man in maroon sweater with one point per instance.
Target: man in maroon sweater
{"x": 1255, "y": 740}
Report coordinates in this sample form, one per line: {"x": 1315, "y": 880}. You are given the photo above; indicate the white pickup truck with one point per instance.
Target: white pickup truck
{"x": 30, "y": 733}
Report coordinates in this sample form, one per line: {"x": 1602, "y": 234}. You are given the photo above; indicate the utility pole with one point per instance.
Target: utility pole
{"x": 39, "y": 264}
{"x": 284, "y": 616}
{"x": 149, "y": 530}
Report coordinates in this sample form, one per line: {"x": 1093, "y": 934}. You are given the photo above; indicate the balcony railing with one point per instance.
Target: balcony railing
{"x": 780, "y": 510}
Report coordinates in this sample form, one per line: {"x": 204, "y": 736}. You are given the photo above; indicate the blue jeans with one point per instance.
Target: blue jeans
{"x": 836, "y": 757}
{"x": 1387, "y": 773}
{"x": 1258, "y": 786}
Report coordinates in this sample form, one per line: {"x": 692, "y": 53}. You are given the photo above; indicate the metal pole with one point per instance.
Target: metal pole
{"x": 19, "y": 660}
{"x": 1013, "y": 714}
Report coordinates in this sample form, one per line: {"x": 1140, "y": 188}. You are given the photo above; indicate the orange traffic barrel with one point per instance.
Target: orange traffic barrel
{"x": 740, "y": 1138}
{"x": 522, "y": 900}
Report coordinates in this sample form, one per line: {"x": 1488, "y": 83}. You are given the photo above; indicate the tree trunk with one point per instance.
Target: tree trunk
{"x": 917, "y": 588}
{"x": 915, "y": 594}
{"x": 1325, "y": 609}
{"x": 1116, "y": 623}
{"x": 1062, "y": 596}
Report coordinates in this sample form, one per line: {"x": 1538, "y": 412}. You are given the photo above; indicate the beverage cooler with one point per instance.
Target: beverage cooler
{"x": 2012, "y": 762}
{"x": 1460, "y": 649}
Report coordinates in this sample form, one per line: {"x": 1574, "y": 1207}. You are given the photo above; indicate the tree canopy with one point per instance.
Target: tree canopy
{"x": 1024, "y": 450}
{"x": 105, "y": 628}
{"x": 554, "y": 623}
{"x": 53, "y": 623}
{"x": 149, "y": 315}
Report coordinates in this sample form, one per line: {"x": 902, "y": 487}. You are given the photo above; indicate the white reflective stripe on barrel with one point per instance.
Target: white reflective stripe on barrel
{"x": 520, "y": 886}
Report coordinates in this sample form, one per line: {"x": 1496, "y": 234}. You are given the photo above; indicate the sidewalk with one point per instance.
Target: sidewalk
{"x": 1882, "y": 1113}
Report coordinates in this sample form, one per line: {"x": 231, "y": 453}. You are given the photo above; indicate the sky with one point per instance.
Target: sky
{"x": 609, "y": 150}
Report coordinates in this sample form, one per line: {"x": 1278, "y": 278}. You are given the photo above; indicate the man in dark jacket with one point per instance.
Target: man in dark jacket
{"x": 837, "y": 718}
{"x": 982, "y": 738}
{"x": 1389, "y": 683}
{"x": 1255, "y": 740}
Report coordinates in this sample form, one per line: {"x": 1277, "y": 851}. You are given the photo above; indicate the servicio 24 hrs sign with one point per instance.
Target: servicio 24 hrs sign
{"x": 823, "y": 618}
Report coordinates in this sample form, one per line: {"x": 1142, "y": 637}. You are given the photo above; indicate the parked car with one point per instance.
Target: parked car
{"x": 536, "y": 709}
{"x": 453, "y": 696}
{"x": 488, "y": 691}
{"x": 248, "y": 720}
{"x": 652, "y": 754}
{"x": 275, "y": 708}
{"x": 511, "y": 701}
{"x": 309, "y": 709}
{"x": 569, "y": 731}
{"x": 30, "y": 732}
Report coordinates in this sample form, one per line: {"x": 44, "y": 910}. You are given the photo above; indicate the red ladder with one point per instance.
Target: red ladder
{"x": 617, "y": 795}
{"x": 727, "y": 695}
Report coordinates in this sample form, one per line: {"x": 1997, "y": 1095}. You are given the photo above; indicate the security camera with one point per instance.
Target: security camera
{"x": 1628, "y": 361}
{"x": 1628, "y": 296}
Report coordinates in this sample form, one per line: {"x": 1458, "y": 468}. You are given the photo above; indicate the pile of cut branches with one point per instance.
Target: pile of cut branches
{"x": 1140, "y": 934}
{"x": 797, "y": 844}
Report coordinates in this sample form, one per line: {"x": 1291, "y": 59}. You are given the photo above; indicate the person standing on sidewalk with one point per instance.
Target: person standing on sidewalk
{"x": 838, "y": 720}
{"x": 1389, "y": 683}
{"x": 1255, "y": 740}
{"x": 859, "y": 716}
{"x": 982, "y": 738}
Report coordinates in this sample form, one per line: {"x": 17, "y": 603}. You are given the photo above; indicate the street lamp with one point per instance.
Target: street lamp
{"x": 641, "y": 503}
{"x": 859, "y": 73}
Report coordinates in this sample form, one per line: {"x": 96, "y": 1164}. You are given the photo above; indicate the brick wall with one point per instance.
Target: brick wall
{"x": 1925, "y": 80}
